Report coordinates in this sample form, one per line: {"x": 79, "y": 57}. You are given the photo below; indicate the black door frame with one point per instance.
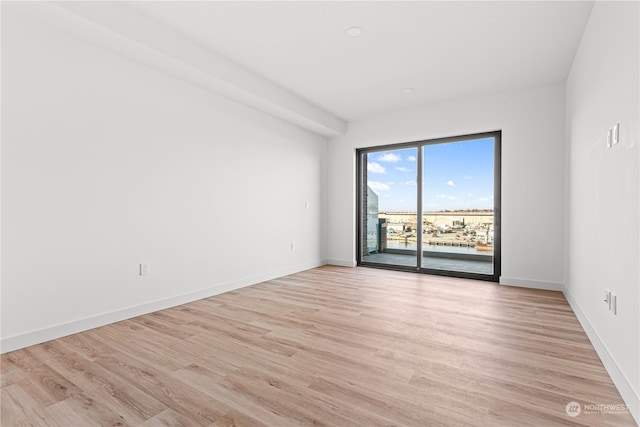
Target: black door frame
{"x": 361, "y": 171}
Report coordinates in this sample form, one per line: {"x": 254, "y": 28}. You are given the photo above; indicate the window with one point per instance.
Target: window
{"x": 432, "y": 206}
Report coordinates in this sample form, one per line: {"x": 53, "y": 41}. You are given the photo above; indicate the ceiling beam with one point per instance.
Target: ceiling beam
{"x": 130, "y": 33}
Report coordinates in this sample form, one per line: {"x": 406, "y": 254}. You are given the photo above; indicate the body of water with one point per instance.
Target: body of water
{"x": 433, "y": 248}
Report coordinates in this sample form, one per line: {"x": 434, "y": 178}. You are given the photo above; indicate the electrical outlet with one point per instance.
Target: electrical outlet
{"x": 611, "y": 300}
{"x": 607, "y": 298}
{"x": 616, "y": 134}
{"x": 293, "y": 246}
{"x": 144, "y": 269}
{"x": 613, "y": 306}
{"x": 609, "y": 138}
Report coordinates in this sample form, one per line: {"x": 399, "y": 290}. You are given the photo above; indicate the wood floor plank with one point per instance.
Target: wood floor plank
{"x": 328, "y": 346}
{"x": 185, "y": 401}
{"x": 167, "y": 418}
{"x": 45, "y": 385}
{"x": 237, "y": 419}
{"x": 18, "y": 408}
{"x": 106, "y": 396}
{"x": 232, "y": 396}
{"x": 64, "y": 414}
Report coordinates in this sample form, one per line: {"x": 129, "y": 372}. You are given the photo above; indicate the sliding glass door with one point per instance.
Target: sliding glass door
{"x": 458, "y": 206}
{"x": 389, "y": 200}
{"x": 432, "y": 206}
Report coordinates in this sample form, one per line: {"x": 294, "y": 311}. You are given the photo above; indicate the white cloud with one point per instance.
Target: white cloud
{"x": 374, "y": 167}
{"x": 378, "y": 186}
{"x": 389, "y": 157}
{"x": 450, "y": 183}
{"x": 469, "y": 195}
{"x": 412, "y": 182}
{"x": 444, "y": 196}
{"x": 403, "y": 169}
{"x": 482, "y": 200}
{"x": 411, "y": 158}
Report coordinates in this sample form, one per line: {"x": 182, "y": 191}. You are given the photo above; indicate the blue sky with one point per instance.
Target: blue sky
{"x": 457, "y": 175}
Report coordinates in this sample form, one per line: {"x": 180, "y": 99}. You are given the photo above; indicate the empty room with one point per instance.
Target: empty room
{"x": 340, "y": 213}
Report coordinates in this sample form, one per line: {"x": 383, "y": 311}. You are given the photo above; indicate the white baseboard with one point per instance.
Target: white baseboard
{"x": 16, "y": 342}
{"x": 534, "y": 284}
{"x": 630, "y": 396}
{"x": 341, "y": 262}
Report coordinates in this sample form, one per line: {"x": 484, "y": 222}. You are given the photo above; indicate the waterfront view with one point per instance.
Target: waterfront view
{"x": 457, "y": 231}
{"x": 453, "y": 182}
{"x": 460, "y": 241}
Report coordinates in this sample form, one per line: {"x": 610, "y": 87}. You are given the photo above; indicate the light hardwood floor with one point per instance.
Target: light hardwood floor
{"x": 329, "y": 346}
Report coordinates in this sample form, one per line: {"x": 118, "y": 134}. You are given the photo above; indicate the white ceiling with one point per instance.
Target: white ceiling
{"x": 444, "y": 50}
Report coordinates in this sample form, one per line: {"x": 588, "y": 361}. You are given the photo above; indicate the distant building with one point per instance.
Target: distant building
{"x": 372, "y": 221}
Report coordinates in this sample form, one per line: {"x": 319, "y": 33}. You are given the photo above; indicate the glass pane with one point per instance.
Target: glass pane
{"x": 389, "y": 199}
{"x": 457, "y": 197}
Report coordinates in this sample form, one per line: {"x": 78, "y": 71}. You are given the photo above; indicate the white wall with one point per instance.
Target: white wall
{"x": 107, "y": 164}
{"x": 532, "y": 124}
{"x": 604, "y": 237}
